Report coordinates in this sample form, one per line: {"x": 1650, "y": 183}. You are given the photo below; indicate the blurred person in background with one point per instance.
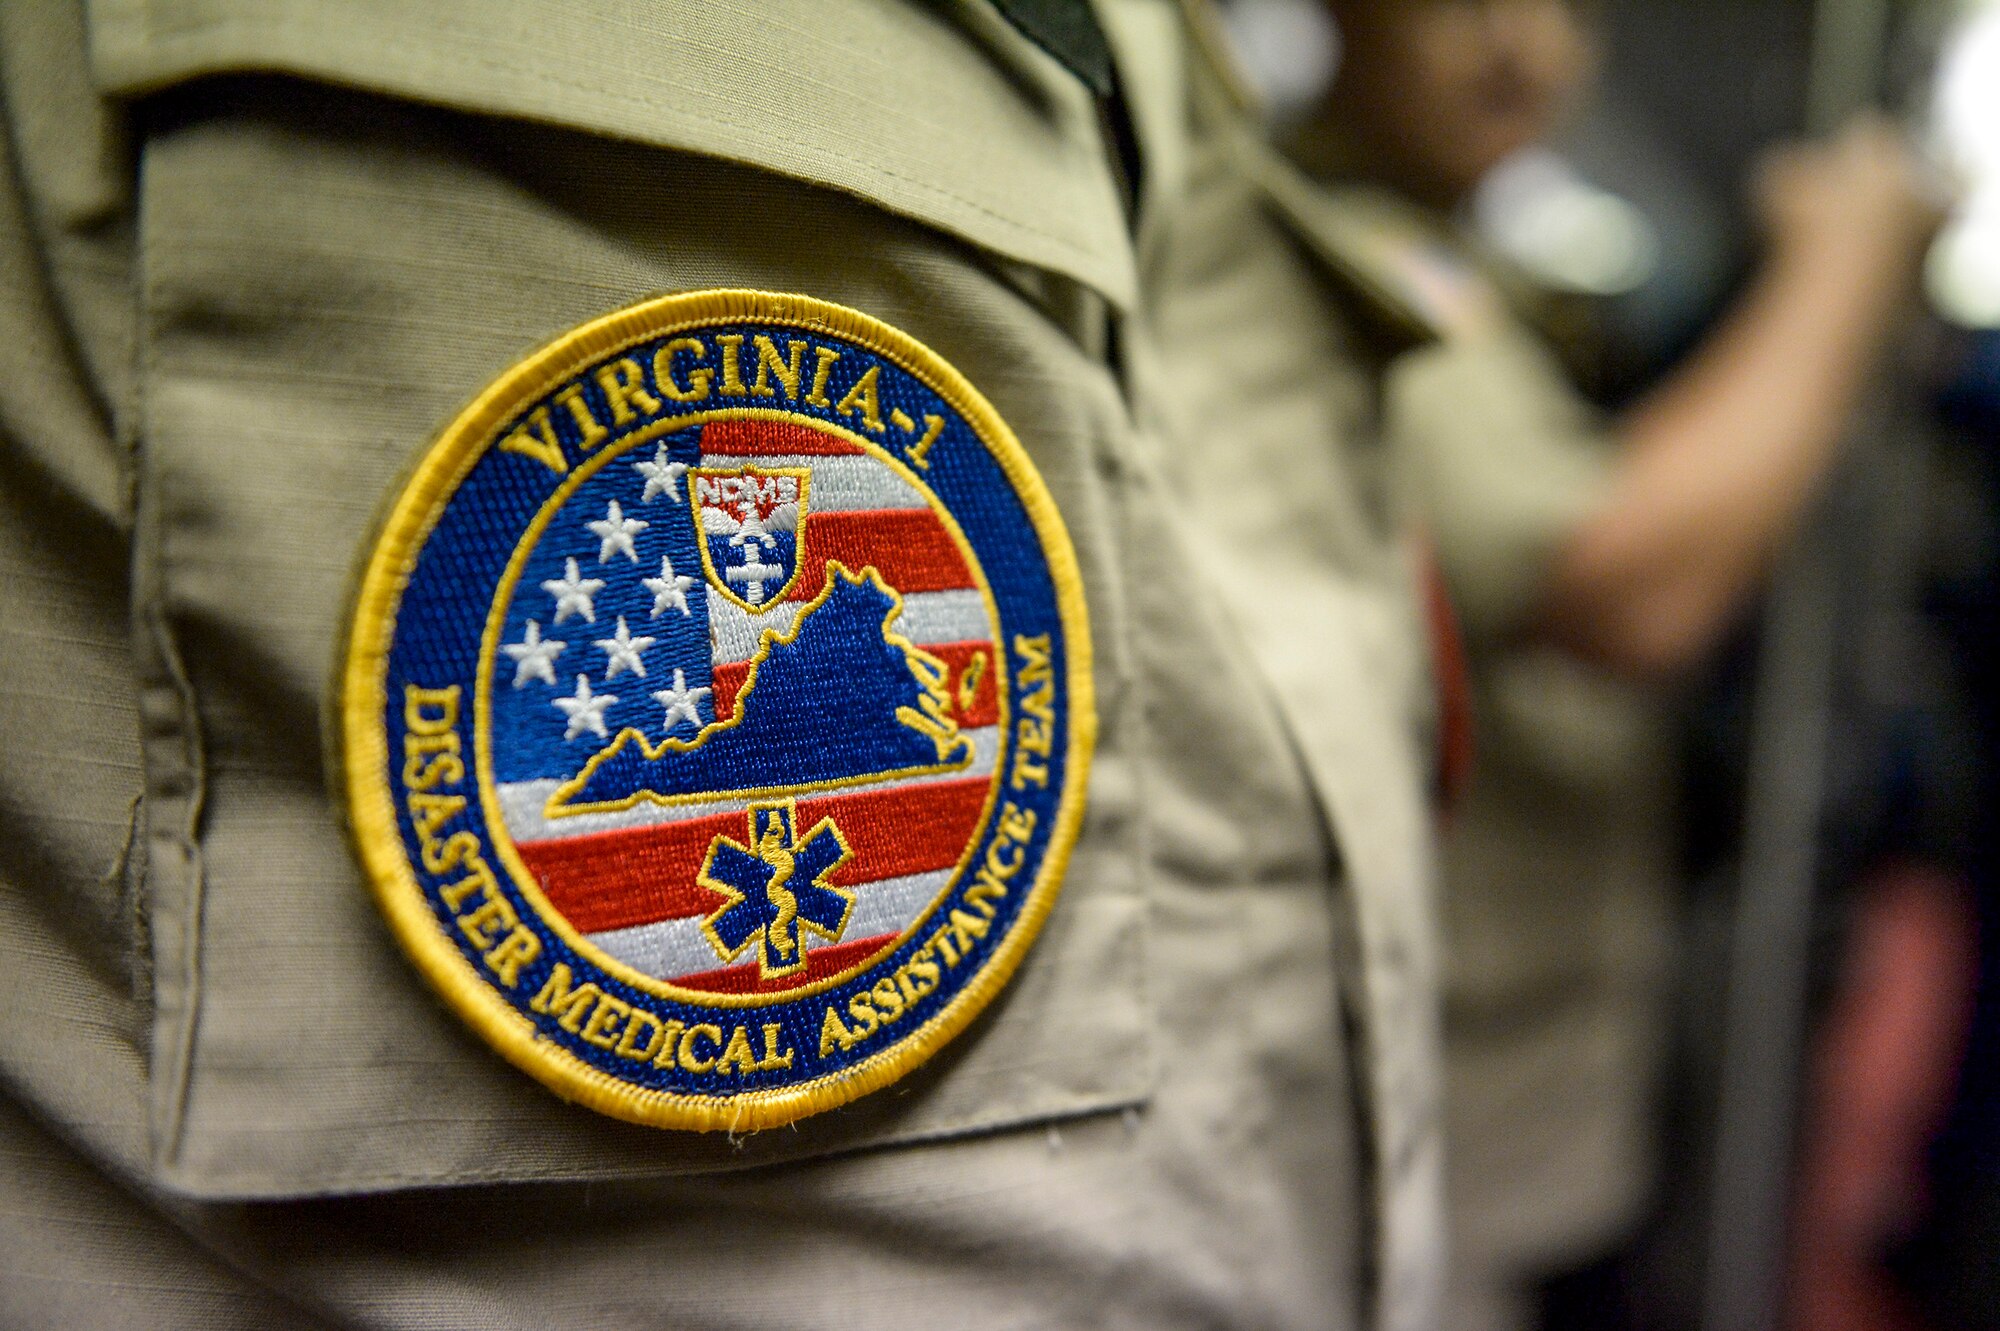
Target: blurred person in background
{"x": 1590, "y": 561}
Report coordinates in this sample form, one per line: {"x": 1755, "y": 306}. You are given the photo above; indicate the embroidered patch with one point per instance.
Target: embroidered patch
{"x": 717, "y": 710}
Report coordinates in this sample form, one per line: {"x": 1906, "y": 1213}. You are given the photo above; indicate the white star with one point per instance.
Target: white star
{"x": 615, "y": 532}
{"x": 662, "y": 477}
{"x": 670, "y": 591}
{"x": 573, "y": 592}
{"x": 681, "y": 701}
{"x": 534, "y": 658}
{"x": 585, "y": 710}
{"x": 622, "y": 652}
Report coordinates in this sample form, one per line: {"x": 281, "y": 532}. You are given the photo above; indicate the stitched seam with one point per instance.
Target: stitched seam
{"x": 178, "y": 792}
{"x": 492, "y": 65}
{"x": 966, "y": 1125}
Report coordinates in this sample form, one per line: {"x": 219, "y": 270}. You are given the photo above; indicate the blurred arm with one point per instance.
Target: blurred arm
{"x": 1719, "y": 460}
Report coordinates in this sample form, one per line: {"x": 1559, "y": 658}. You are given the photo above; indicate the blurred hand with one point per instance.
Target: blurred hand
{"x": 1861, "y": 204}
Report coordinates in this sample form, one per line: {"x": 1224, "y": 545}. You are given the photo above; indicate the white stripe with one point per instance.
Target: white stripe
{"x": 839, "y": 484}
{"x": 734, "y": 632}
{"x": 673, "y": 948}
{"x": 522, "y": 802}
{"x": 928, "y": 617}
{"x": 934, "y": 617}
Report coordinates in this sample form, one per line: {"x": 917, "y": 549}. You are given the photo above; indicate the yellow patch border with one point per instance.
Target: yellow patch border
{"x": 363, "y": 698}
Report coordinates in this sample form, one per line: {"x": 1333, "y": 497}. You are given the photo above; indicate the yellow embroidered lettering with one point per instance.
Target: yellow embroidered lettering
{"x": 670, "y": 1044}
{"x": 738, "y": 1058}
{"x": 565, "y": 1004}
{"x": 414, "y": 745}
{"x": 788, "y": 369}
{"x": 1016, "y": 823}
{"x": 924, "y": 974}
{"x": 1027, "y": 772}
{"x": 888, "y": 998}
{"x": 866, "y": 1018}
{"x": 454, "y": 895}
{"x": 1036, "y": 730}
{"x": 832, "y": 1032}
{"x": 628, "y": 1043}
{"x": 732, "y": 364}
{"x": 695, "y": 388}
{"x": 920, "y": 452}
{"x": 430, "y": 812}
{"x": 1000, "y": 868}
{"x": 624, "y": 385}
{"x": 494, "y": 917}
{"x": 601, "y": 1029}
{"x": 983, "y": 893}
{"x": 866, "y": 398}
{"x": 511, "y": 953}
{"x": 442, "y": 857}
{"x": 966, "y": 929}
{"x": 430, "y": 711}
{"x": 823, "y": 359}
{"x": 933, "y": 722}
{"x": 693, "y": 1061}
{"x": 1034, "y": 654}
{"x": 587, "y": 424}
{"x": 443, "y": 769}
{"x": 536, "y": 438}
{"x": 772, "y": 1059}
{"x": 989, "y": 885}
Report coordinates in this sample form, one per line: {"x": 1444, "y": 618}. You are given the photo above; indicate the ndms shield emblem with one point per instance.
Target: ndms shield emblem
{"x": 717, "y": 710}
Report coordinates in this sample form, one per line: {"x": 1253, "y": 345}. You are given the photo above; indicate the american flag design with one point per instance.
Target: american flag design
{"x": 660, "y": 643}
{"x": 717, "y": 709}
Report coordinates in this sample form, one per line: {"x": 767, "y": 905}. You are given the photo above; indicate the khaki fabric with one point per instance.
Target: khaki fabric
{"x": 1556, "y": 864}
{"x": 83, "y": 1251}
{"x": 360, "y": 302}
{"x": 1321, "y": 591}
{"x": 229, "y": 336}
{"x": 894, "y": 103}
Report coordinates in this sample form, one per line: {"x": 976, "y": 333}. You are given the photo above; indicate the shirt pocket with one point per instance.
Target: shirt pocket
{"x": 329, "y": 274}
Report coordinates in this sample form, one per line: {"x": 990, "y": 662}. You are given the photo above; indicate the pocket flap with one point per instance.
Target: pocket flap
{"x": 957, "y": 122}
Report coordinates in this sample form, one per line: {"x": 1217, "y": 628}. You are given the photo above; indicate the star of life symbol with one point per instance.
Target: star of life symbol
{"x": 752, "y": 524}
{"x": 776, "y": 890}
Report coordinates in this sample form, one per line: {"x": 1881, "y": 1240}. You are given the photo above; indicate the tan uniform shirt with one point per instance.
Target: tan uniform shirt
{"x": 252, "y": 254}
{"x": 1556, "y": 866}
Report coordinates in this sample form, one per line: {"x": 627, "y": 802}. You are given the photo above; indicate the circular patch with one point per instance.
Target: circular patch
{"x": 717, "y": 709}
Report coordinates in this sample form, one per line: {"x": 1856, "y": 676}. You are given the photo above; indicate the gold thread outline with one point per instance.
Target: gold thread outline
{"x": 734, "y": 897}
{"x": 766, "y": 640}
{"x": 502, "y": 838}
{"x": 363, "y": 690}
{"x": 804, "y": 475}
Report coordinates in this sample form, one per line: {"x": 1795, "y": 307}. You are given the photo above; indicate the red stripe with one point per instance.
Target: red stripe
{"x": 981, "y": 708}
{"x": 726, "y": 681}
{"x": 741, "y": 438}
{"x": 820, "y": 963}
{"x": 909, "y": 547}
{"x": 640, "y": 875}
{"x": 980, "y": 711}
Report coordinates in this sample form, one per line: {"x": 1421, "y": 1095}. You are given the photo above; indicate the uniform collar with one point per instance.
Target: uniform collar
{"x": 1364, "y": 239}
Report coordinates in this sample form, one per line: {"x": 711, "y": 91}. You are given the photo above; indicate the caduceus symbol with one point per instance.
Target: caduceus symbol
{"x": 776, "y": 889}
